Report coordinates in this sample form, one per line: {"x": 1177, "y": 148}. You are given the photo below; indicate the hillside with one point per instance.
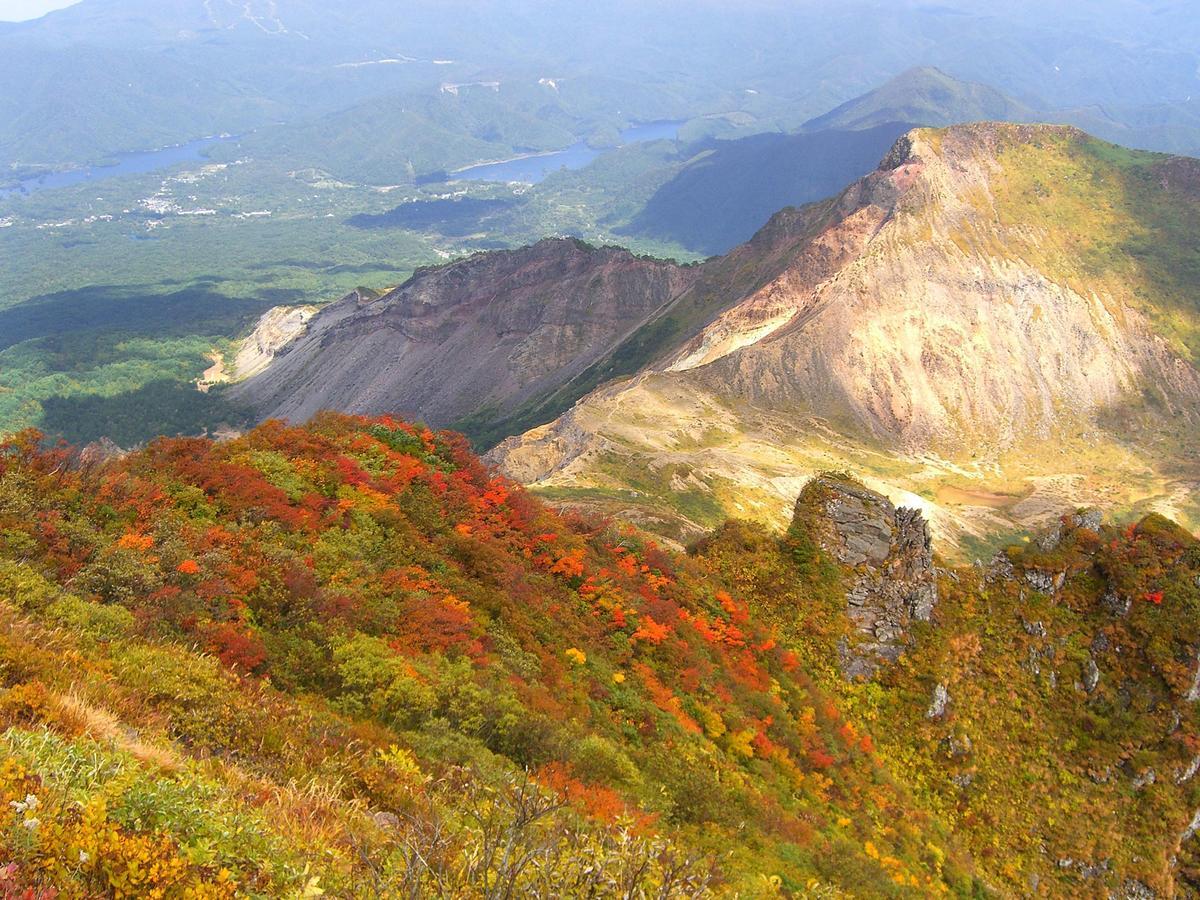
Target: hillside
{"x": 374, "y": 664}
{"x": 480, "y": 336}
{"x": 998, "y": 322}
{"x": 379, "y": 668}
{"x": 1045, "y": 700}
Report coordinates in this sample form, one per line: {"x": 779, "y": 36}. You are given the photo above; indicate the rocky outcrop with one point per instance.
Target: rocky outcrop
{"x": 99, "y": 452}
{"x": 939, "y": 703}
{"x": 889, "y": 554}
{"x": 277, "y": 328}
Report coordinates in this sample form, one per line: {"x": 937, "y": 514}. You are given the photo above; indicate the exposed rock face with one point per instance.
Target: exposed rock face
{"x": 891, "y": 554}
{"x": 272, "y": 336}
{"x": 99, "y": 452}
{"x": 939, "y": 703}
{"x": 925, "y": 315}
{"x": 484, "y": 333}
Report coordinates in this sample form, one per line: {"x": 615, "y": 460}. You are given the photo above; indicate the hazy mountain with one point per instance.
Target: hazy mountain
{"x": 762, "y": 66}
{"x": 923, "y": 96}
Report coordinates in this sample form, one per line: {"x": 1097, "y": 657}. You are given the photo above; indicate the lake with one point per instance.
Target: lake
{"x": 126, "y": 164}
{"x": 532, "y": 169}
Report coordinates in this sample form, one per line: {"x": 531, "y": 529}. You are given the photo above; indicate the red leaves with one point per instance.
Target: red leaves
{"x": 351, "y": 472}
{"x": 818, "y": 758}
{"x": 237, "y": 647}
{"x": 651, "y": 631}
{"x": 597, "y": 802}
{"x": 1155, "y": 597}
{"x": 442, "y": 625}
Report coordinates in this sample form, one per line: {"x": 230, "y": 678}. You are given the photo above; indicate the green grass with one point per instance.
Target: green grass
{"x": 1110, "y": 220}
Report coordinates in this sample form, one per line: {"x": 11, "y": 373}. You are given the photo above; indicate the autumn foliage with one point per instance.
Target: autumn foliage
{"x": 380, "y": 571}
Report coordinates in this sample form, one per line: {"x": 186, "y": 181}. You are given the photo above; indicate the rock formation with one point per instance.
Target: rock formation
{"x": 890, "y": 553}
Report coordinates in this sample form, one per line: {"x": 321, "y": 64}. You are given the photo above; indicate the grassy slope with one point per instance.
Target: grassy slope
{"x": 360, "y": 642}
{"x": 1107, "y": 220}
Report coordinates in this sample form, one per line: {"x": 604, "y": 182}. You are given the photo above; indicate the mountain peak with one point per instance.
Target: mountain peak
{"x": 985, "y": 310}
{"x": 923, "y": 95}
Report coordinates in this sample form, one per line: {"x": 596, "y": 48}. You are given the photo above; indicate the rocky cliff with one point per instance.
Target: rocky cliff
{"x": 890, "y": 553}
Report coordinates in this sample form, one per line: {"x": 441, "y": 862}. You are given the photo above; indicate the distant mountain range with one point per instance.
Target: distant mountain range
{"x": 112, "y": 75}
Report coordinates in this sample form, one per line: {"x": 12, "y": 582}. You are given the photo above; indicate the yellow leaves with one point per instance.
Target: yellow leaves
{"x": 576, "y": 656}
{"x": 714, "y": 725}
{"x": 769, "y": 886}
{"x": 740, "y": 743}
{"x": 402, "y": 764}
{"x": 81, "y": 848}
{"x": 871, "y": 850}
{"x": 618, "y": 677}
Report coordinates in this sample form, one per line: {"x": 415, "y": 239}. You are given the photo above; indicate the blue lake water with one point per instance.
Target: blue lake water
{"x": 533, "y": 169}
{"x": 126, "y": 164}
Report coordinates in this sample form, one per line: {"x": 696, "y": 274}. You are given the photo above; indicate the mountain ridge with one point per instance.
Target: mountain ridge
{"x": 485, "y": 333}
{"x": 947, "y": 332}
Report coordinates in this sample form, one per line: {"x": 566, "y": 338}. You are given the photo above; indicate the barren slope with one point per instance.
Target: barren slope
{"x": 997, "y": 322}
{"x": 485, "y": 333}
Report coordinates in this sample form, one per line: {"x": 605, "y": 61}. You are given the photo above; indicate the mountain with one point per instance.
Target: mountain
{"x": 997, "y": 322}
{"x": 923, "y": 95}
{"x": 926, "y": 95}
{"x": 480, "y": 336}
{"x": 347, "y": 659}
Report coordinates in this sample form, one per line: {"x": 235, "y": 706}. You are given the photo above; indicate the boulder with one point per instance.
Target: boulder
{"x": 939, "y": 703}
{"x": 1091, "y": 675}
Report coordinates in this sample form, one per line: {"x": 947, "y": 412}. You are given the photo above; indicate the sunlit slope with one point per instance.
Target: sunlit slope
{"x": 999, "y": 318}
